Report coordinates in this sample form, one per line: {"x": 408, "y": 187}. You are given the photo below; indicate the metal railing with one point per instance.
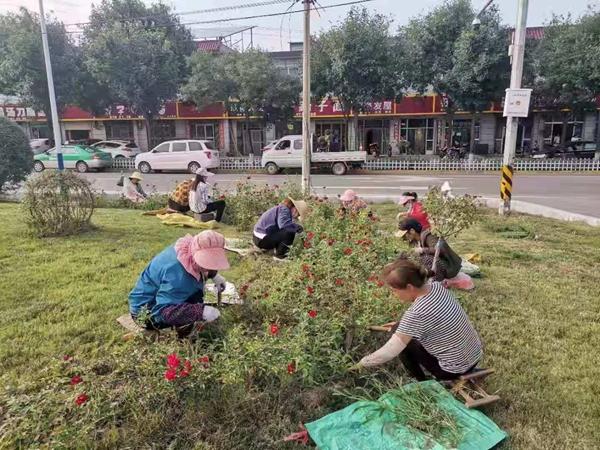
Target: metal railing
{"x": 383, "y": 164}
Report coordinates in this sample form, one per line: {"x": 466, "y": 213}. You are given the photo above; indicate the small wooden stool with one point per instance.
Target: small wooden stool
{"x": 469, "y": 387}
{"x": 134, "y": 329}
{"x": 205, "y": 217}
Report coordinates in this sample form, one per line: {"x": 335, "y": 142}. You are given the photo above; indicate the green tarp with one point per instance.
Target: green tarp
{"x": 357, "y": 428}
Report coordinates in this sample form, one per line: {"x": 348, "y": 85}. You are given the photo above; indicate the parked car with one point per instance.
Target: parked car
{"x": 185, "y": 155}
{"x": 118, "y": 149}
{"x": 78, "y": 157}
{"x": 577, "y": 149}
{"x": 288, "y": 153}
{"x": 39, "y": 145}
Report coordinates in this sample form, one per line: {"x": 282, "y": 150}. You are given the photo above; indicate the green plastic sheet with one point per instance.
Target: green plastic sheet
{"x": 355, "y": 428}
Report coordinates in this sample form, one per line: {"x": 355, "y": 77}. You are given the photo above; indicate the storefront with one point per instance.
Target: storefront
{"x": 414, "y": 136}
{"x": 374, "y": 135}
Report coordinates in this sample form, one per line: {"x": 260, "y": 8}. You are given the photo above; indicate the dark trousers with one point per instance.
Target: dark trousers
{"x": 281, "y": 241}
{"x": 177, "y": 207}
{"x": 414, "y": 356}
{"x": 218, "y": 206}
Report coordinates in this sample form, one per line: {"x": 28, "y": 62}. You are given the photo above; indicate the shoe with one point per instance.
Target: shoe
{"x": 280, "y": 258}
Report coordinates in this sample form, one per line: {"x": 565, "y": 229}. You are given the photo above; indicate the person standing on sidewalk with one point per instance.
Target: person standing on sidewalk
{"x": 434, "y": 333}
{"x": 200, "y": 197}
{"x": 277, "y": 229}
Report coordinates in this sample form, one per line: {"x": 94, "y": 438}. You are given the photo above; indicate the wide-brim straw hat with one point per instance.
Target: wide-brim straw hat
{"x": 301, "y": 206}
{"x": 348, "y": 196}
{"x": 136, "y": 175}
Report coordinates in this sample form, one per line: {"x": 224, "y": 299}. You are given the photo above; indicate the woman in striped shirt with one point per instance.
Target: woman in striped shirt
{"x": 434, "y": 333}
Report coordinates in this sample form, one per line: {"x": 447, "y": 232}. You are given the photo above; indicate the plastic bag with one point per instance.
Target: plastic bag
{"x": 461, "y": 281}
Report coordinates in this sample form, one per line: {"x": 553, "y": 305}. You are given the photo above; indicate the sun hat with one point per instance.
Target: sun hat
{"x": 209, "y": 251}
{"x": 405, "y": 198}
{"x": 408, "y": 224}
{"x": 348, "y": 196}
{"x": 136, "y": 175}
{"x": 301, "y": 206}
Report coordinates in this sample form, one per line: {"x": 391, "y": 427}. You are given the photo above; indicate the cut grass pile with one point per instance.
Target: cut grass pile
{"x": 536, "y": 308}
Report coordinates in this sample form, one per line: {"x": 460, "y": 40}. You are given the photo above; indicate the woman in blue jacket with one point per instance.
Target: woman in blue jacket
{"x": 276, "y": 228}
{"x": 170, "y": 290}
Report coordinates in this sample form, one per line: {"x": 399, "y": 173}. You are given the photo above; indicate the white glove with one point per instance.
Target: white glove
{"x": 210, "y": 313}
{"x": 220, "y": 283}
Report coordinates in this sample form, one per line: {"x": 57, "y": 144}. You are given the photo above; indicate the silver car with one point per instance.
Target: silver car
{"x": 118, "y": 149}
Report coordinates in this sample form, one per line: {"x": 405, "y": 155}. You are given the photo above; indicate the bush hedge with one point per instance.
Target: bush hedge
{"x": 15, "y": 155}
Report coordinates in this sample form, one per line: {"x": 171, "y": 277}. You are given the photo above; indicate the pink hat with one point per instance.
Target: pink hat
{"x": 209, "y": 251}
{"x": 404, "y": 199}
{"x": 348, "y": 196}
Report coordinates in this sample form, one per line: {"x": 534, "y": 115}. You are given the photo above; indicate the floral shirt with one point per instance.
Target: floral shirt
{"x": 181, "y": 194}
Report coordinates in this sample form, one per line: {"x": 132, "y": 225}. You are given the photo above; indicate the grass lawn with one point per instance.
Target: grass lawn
{"x": 536, "y": 308}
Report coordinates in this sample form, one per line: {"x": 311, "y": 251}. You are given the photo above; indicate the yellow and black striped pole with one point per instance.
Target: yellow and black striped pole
{"x": 506, "y": 185}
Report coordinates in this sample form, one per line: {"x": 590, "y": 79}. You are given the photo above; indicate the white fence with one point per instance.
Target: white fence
{"x": 524, "y": 165}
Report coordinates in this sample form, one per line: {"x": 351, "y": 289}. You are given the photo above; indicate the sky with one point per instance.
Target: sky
{"x": 274, "y": 33}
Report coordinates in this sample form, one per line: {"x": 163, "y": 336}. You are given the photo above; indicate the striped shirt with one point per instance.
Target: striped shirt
{"x": 442, "y": 327}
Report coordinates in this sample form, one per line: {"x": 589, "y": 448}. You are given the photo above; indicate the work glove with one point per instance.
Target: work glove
{"x": 210, "y": 313}
{"x": 220, "y": 283}
{"x": 418, "y": 250}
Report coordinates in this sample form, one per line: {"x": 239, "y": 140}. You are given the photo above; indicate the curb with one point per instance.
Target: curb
{"x": 543, "y": 211}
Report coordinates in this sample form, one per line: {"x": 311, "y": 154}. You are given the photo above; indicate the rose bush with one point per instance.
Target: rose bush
{"x": 276, "y": 360}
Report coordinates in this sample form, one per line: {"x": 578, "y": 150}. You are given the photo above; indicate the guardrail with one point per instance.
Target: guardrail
{"x": 482, "y": 165}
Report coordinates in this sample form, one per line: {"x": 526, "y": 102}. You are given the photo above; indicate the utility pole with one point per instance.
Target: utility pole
{"x": 306, "y": 140}
{"x": 512, "y": 123}
{"x": 53, "y": 109}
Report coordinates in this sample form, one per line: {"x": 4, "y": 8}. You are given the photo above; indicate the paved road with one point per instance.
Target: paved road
{"x": 573, "y": 193}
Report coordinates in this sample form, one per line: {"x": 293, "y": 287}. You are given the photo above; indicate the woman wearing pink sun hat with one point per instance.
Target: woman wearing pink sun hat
{"x": 351, "y": 202}
{"x": 170, "y": 290}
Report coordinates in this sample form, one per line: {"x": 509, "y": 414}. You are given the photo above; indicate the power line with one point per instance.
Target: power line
{"x": 203, "y": 11}
{"x": 257, "y": 16}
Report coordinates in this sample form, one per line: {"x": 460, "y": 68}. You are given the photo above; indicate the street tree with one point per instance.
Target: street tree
{"x": 352, "y": 62}
{"x": 22, "y": 70}
{"x": 247, "y": 82}
{"x": 568, "y": 66}
{"x": 442, "y": 51}
{"x": 138, "y": 53}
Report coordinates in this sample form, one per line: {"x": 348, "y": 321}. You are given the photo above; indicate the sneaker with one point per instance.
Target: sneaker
{"x": 280, "y": 258}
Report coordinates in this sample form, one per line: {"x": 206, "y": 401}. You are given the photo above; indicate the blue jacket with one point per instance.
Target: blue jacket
{"x": 277, "y": 218}
{"x": 164, "y": 282}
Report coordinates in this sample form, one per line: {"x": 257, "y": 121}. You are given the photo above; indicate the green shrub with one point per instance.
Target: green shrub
{"x": 57, "y": 203}
{"x": 249, "y": 201}
{"x": 449, "y": 216}
{"x": 15, "y": 155}
{"x": 153, "y": 202}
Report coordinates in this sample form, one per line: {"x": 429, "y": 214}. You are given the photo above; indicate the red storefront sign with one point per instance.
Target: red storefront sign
{"x": 212, "y": 111}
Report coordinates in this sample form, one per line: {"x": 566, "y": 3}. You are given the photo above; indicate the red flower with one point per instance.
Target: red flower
{"x": 187, "y": 364}
{"x": 347, "y": 251}
{"x": 173, "y": 361}
{"x": 291, "y": 368}
{"x": 273, "y": 329}
{"x": 222, "y": 197}
{"x": 76, "y": 380}
{"x": 307, "y": 244}
{"x": 81, "y": 399}
{"x": 380, "y": 283}
{"x": 205, "y": 360}
{"x": 312, "y": 313}
{"x": 184, "y": 373}
{"x": 310, "y": 235}
{"x": 339, "y": 282}
{"x": 170, "y": 374}
{"x": 330, "y": 242}
{"x": 310, "y": 290}
{"x": 373, "y": 279}
{"x": 67, "y": 357}
{"x": 305, "y": 268}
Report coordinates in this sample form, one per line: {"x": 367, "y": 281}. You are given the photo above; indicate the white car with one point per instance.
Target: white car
{"x": 118, "y": 149}
{"x": 39, "y": 145}
{"x": 184, "y": 155}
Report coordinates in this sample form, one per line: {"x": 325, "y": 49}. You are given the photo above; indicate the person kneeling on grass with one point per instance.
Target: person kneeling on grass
{"x": 276, "y": 228}
{"x": 199, "y": 196}
{"x": 434, "y": 333}
{"x": 132, "y": 188}
{"x": 171, "y": 287}
{"x": 424, "y": 242}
